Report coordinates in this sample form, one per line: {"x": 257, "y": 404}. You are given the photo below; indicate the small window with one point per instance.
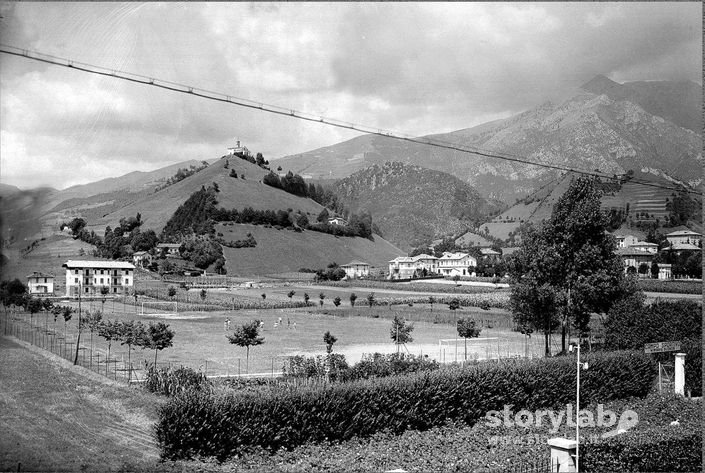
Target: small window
{"x": 76, "y": 281}
{"x": 115, "y": 289}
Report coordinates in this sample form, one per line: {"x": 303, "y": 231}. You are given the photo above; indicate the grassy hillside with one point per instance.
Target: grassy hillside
{"x": 280, "y": 251}
{"x": 156, "y": 208}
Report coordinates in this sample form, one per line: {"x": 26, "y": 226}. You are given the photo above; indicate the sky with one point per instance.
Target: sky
{"x": 415, "y": 68}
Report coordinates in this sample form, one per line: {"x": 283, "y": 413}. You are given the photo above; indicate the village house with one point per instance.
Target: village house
{"x": 684, "y": 237}
{"x": 169, "y": 248}
{"x": 402, "y": 267}
{"x": 457, "y": 264}
{"x": 337, "y": 221}
{"x": 141, "y": 259}
{"x": 89, "y": 277}
{"x": 625, "y": 241}
{"x": 356, "y": 269}
{"x": 407, "y": 267}
{"x": 40, "y": 284}
{"x": 633, "y": 258}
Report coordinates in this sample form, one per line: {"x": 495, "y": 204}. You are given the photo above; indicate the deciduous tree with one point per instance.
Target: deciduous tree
{"x": 247, "y": 336}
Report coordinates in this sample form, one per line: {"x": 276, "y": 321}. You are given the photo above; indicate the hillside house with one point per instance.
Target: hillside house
{"x": 489, "y": 254}
{"x": 402, "y": 267}
{"x": 89, "y": 277}
{"x": 40, "y": 284}
{"x": 356, "y": 269}
{"x": 457, "y": 264}
{"x": 684, "y": 237}
{"x": 633, "y": 258}
{"x": 141, "y": 259}
{"x": 625, "y": 241}
{"x": 238, "y": 149}
{"x": 337, "y": 221}
{"x": 169, "y": 248}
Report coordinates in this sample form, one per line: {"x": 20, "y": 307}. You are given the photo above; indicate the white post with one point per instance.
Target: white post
{"x": 577, "y": 411}
{"x": 680, "y": 374}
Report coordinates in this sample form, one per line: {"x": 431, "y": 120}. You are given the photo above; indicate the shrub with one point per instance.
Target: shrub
{"x": 197, "y": 424}
{"x": 169, "y": 382}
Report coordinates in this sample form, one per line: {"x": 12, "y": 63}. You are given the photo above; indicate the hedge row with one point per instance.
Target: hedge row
{"x": 655, "y": 444}
{"x": 673, "y": 286}
{"x": 223, "y": 425}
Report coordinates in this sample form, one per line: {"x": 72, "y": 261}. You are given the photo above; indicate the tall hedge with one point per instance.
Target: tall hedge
{"x": 223, "y": 425}
{"x": 631, "y": 324}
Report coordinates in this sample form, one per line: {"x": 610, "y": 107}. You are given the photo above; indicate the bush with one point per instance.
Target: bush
{"x": 198, "y": 424}
{"x": 169, "y": 382}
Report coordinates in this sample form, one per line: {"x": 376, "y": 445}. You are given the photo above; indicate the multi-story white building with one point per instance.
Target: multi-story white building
{"x": 356, "y": 269}
{"x": 40, "y": 284}
{"x": 407, "y": 267}
{"x": 90, "y": 277}
{"x": 687, "y": 237}
{"x": 457, "y": 264}
{"x": 238, "y": 149}
{"x": 645, "y": 246}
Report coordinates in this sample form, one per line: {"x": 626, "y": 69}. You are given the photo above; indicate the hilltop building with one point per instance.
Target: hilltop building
{"x": 40, "y": 284}
{"x": 89, "y": 277}
{"x": 238, "y": 149}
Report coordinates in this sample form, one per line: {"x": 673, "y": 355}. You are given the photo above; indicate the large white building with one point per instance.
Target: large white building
{"x": 407, "y": 267}
{"x": 457, "y": 264}
{"x": 90, "y": 277}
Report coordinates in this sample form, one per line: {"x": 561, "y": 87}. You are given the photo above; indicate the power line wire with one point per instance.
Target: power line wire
{"x": 225, "y": 98}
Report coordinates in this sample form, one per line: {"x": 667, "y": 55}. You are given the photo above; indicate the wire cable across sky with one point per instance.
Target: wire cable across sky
{"x": 288, "y": 112}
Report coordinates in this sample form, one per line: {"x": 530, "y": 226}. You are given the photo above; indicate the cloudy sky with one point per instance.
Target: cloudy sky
{"x": 410, "y": 67}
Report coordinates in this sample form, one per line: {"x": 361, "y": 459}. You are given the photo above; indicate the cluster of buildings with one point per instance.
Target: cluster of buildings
{"x": 636, "y": 253}
{"x": 449, "y": 264}
{"x": 87, "y": 278}
{"x": 92, "y": 278}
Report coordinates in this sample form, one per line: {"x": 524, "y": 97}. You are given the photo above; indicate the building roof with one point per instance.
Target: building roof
{"x": 402, "y": 259}
{"x": 633, "y": 252}
{"x": 422, "y": 256}
{"x": 355, "y": 263}
{"x": 98, "y": 264}
{"x": 169, "y": 245}
{"x": 644, "y": 243}
{"x": 139, "y": 253}
{"x": 489, "y": 252}
{"x": 39, "y": 274}
{"x": 683, "y": 233}
{"x": 682, "y": 247}
{"x": 453, "y": 256}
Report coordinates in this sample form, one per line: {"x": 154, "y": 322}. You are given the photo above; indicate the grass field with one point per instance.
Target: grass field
{"x": 56, "y": 419}
{"x": 200, "y": 340}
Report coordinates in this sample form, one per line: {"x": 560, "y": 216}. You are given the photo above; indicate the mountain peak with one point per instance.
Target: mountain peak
{"x": 600, "y": 85}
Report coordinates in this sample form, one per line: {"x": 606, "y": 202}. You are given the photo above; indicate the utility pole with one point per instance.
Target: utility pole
{"x": 78, "y": 339}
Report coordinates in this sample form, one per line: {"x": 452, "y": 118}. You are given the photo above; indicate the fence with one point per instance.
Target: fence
{"x": 37, "y": 331}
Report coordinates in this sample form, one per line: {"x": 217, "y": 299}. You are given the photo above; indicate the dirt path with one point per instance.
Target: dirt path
{"x": 58, "y": 417}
